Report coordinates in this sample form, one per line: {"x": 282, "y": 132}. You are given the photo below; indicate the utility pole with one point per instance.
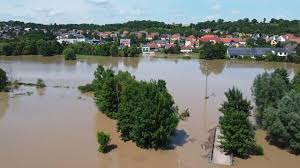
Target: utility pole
{"x": 206, "y": 69}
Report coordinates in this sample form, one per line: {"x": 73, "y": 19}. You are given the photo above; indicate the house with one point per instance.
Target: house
{"x": 186, "y": 49}
{"x": 209, "y": 38}
{"x": 292, "y": 38}
{"x": 70, "y": 38}
{"x": 191, "y": 41}
{"x": 125, "y": 42}
{"x": 256, "y": 52}
{"x": 175, "y": 37}
{"x": 230, "y": 41}
{"x": 165, "y": 37}
{"x": 152, "y": 36}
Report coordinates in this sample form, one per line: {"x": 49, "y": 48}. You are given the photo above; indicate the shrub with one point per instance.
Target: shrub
{"x": 40, "y": 83}
{"x": 69, "y": 54}
{"x": 103, "y": 140}
{"x": 185, "y": 114}
{"x": 258, "y": 150}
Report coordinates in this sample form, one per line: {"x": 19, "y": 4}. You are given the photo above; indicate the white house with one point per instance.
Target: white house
{"x": 71, "y": 38}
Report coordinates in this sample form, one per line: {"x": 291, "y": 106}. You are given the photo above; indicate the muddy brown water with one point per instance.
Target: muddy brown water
{"x": 56, "y": 127}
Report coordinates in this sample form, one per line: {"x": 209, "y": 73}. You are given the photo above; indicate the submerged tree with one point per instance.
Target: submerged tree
{"x": 238, "y": 136}
{"x": 268, "y": 89}
{"x": 103, "y": 140}
{"x": 145, "y": 111}
{"x": 283, "y": 123}
{"x": 3, "y": 80}
{"x": 69, "y": 54}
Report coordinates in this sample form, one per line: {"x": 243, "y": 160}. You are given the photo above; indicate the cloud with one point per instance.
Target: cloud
{"x": 136, "y": 12}
{"x": 236, "y": 12}
{"x": 216, "y": 5}
{"x": 102, "y": 3}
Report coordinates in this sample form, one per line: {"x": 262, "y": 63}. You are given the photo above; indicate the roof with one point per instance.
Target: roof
{"x": 253, "y": 51}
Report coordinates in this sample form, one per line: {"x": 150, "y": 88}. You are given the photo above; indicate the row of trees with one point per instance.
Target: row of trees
{"x": 108, "y": 49}
{"x": 278, "y": 108}
{"x": 145, "y": 111}
{"x": 238, "y": 135}
{"x": 31, "y": 47}
{"x": 274, "y": 26}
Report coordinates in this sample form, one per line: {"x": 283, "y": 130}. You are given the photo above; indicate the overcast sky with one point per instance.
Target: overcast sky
{"x": 119, "y": 11}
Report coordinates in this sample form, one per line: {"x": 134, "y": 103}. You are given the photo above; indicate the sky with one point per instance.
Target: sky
{"x": 169, "y": 11}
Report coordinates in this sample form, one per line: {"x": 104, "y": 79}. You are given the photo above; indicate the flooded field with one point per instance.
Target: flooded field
{"x": 56, "y": 127}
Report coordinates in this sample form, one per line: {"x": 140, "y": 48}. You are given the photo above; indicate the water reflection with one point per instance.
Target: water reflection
{"x": 215, "y": 67}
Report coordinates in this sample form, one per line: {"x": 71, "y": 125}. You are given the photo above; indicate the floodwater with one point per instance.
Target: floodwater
{"x": 57, "y": 126}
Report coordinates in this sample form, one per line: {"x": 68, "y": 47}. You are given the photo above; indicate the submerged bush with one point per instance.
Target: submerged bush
{"x": 103, "y": 140}
{"x": 40, "y": 83}
{"x": 69, "y": 54}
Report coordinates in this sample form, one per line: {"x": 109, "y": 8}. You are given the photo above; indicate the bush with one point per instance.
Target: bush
{"x": 69, "y": 54}
{"x": 3, "y": 80}
{"x": 185, "y": 114}
{"x": 103, "y": 140}
{"x": 258, "y": 150}
{"x": 40, "y": 83}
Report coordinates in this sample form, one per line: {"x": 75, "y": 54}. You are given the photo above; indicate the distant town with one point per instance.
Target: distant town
{"x": 173, "y": 39}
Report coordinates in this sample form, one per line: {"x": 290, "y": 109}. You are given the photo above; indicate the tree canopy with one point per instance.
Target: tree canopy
{"x": 278, "y": 107}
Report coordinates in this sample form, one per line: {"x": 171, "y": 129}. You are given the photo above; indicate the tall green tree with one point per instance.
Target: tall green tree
{"x": 114, "y": 51}
{"x": 237, "y": 133}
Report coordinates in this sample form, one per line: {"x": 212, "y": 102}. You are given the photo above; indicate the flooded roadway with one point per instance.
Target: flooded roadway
{"x": 56, "y": 127}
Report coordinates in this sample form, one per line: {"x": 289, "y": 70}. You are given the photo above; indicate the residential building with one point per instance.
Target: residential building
{"x": 125, "y": 42}
{"x": 256, "y": 52}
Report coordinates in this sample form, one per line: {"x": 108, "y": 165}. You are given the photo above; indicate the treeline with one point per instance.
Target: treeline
{"x": 108, "y": 49}
{"x": 238, "y": 135}
{"x": 145, "y": 111}
{"x": 278, "y": 108}
{"x": 32, "y": 43}
{"x": 274, "y": 26}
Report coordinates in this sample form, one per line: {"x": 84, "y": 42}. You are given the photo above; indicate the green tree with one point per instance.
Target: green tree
{"x": 8, "y": 49}
{"x": 69, "y": 54}
{"x": 268, "y": 89}
{"x": 213, "y": 51}
{"x": 3, "y": 80}
{"x": 103, "y": 140}
{"x": 145, "y": 111}
{"x": 43, "y": 48}
{"x": 296, "y": 83}
{"x": 236, "y": 101}
{"x": 238, "y": 136}
{"x": 105, "y": 92}
{"x": 114, "y": 51}
{"x": 283, "y": 123}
